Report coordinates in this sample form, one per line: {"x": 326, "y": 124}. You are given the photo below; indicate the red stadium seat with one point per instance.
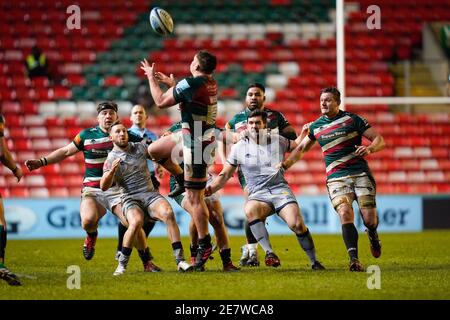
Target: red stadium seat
{"x": 19, "y": 192}
{"x": 59, "y": 192}
{"x": 39, "y": 192}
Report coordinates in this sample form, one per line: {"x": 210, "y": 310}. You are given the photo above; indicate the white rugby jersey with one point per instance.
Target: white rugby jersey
{"x": 132, "y": 175}
{"x": 258, "y": 161}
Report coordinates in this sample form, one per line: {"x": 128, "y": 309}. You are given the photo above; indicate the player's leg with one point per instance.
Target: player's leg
{"x": 5, "y": 273}
{"x": 141, "y": 239}
{"x": 145, "y": 255}
{"x": 135, "y": 218}
{"x": 196, "y": 206}
{"x": 365, "y": 195}
{"x": 193, "y": 235}
{"x": 195, "y": 183}
{"x": 256, "y": 213}
{"x": 218, "y": 224}
{"x": 166, "y": 152}
{"x": 111, "y": 200}
{"x": 160, "y": 209}
{"x": 249, "y": 250}
{"x": 342, "y": 197}
{"x": 2, "y": 234}
{"x": 197, "y": 157}
{"x": 121, "y": 229}
{"x": 291, "y": 214}
{"x": 90, "y": 212}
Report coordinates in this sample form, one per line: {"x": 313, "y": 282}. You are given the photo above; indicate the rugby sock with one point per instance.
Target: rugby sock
{"x": 121, "y": 229}
{"x": 260, "y": 232}
{"x": 178, "y": 251}
{"x": 205, "y": 242}
{"x": 2, "y": 243}
{"x": 350, "y": 235}
{"x": 92, "y": 234}
{"x": 225, "y": 255}
{"x": 372, "y": 230}
{"x": 248, "y": 233}
{"x": 145, "y": 255}
{"x": 306, "y": 242}
{"x": 193, "y": 248}
{"x": 148, "y": 226}
{"x": 125, "y": 256}
{"x": 127, "y": 251}
{"x": 373, "y": 234}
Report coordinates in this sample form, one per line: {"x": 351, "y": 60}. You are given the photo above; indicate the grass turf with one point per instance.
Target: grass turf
{"x": 413, "y": 266}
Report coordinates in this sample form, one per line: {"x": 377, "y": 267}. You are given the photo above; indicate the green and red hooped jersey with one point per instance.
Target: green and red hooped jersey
{"x": 338, "y": 138}
{"x": 198, "y": 105}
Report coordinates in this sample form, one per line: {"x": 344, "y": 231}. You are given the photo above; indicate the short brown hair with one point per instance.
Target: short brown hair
{"x": 115, "y": 123}
{"x": 334, "y": 91}
{"x": 258, "y": 113}
{"x": 207, "y": 61}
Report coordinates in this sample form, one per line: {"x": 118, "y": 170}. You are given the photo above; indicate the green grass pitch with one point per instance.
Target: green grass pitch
{"x": 412, "y": 266}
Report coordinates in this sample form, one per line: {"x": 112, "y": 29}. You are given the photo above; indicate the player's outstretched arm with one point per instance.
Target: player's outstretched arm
{"x": 108, "y": 175}
{"x": 162, "y": 99}
{"x": 165, "y": 79}
{"x": 297, "y": 152}
{"x": 7, "y": 159}
{"x": 218, "y": 183}
{"x": 289, "y": 133}
{"x": 54, "y": 157}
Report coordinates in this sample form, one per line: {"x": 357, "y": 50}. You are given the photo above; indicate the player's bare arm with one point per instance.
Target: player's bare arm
{"x": 227, "y": 138}
{"x": 7, "y": 160}
{"x": 377, "y": 143}
{"x": 218, "y": 183}
{"x": 289, "y": 132}
{"x": 54, "y": 157}
{"x": 108, "y": 176}
{"x": 297, "y": 152}
{"x": 162, "y": 99}
{"x": 304, "y": 133}
{"x": 165, "y": 79}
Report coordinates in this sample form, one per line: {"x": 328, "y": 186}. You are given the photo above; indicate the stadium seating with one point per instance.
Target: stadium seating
{"x": 287, "y": 45}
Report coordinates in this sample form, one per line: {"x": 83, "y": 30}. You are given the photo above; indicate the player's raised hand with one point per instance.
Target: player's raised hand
{"x": 115, "y": 164}
{"x": 163, "y": 78}
{"x": 33, "y": 164}
{"x": 305, "y": 127}
{"x": 148, "y": 69}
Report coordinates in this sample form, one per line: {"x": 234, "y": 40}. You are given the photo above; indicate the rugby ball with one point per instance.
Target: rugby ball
{"x": 161, "y": 21}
